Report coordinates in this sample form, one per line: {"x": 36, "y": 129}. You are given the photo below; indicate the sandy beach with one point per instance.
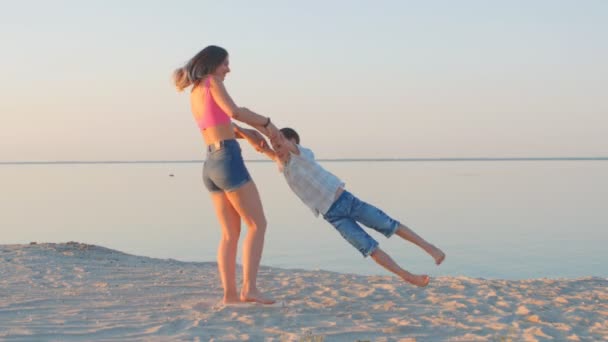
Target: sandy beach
{"x": 75, "y": 291}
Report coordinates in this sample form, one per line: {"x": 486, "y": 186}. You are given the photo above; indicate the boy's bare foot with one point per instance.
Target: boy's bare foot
{"x": 439, "y": 258}
{"x": 437, "y": 254}
{"x": 256, "y": 297}
{"x": 418, "y": 280}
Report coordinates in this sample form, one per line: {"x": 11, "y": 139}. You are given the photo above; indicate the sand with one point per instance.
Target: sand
{"x": 75, "y": 291}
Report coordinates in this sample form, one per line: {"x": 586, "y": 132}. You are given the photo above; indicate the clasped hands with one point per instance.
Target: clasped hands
{"x": 259, "y": 143}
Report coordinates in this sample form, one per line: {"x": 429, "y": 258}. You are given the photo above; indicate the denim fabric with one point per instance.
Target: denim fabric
{"x": 224, "y": 168}
{"x": 347, "y": 210}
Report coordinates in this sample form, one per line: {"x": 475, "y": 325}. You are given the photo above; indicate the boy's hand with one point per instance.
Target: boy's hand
{"x": 262, "y": 146}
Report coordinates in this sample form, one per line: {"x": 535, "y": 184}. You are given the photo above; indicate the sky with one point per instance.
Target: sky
{"x": 91, "y": 80}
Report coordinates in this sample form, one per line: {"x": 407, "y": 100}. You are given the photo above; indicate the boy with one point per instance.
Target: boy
{"x": 324, "y": 194}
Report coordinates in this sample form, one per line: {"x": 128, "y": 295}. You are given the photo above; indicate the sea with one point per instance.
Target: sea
{"x": 494, "y": 218}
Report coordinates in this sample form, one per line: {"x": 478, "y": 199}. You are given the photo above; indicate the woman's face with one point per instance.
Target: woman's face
{"x": 222, "y": 69}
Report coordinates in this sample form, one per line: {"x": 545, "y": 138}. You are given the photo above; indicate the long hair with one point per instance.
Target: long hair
{"x": 202, "y": 64}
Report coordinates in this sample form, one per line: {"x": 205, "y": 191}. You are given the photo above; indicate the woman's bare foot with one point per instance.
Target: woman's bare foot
{"x": 418, "y": 280}
{"x": 257, "y": 297}
{"x": 231, "y": 300}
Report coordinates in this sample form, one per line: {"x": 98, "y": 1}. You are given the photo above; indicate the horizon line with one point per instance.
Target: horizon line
{"x": 438, "y": 159}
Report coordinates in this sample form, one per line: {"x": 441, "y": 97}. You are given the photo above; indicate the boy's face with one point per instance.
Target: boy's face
{"x": 282, "y": 137}
{"x": 280, "y": 148}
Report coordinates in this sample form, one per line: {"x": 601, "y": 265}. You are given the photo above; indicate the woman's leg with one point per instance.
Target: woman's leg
{"x": 407, "y": 234}
{"x": 246, "y": 201}
{"x": 230, "y": 222}
{"x": 384, "y": 260}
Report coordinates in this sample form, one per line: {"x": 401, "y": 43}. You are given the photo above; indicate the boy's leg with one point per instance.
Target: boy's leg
{"x": 384, "y": 260}
{"x": 340, "y": 215}
{"x": 376, "y": 219}
{"x": 407, "y": 234}
{"x": 356, "y": 236}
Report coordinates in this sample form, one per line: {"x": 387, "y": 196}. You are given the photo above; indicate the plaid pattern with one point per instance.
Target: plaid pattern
{"x": 314, "y": 185}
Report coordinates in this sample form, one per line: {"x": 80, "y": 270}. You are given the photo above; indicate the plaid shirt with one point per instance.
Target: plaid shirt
{"x": 314, "y": 185}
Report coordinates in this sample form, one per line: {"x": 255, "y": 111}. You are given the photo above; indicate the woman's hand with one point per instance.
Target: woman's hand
{"x": 272, "y": 131}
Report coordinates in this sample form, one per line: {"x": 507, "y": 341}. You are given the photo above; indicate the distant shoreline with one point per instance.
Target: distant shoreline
{"x": 71, "y": 162}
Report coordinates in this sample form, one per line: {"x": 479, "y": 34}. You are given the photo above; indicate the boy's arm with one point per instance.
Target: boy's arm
{"x": 255, "y": 139}
{"x": 237, "y": 131}
{"x": 280, "y": 143}
{"x": 268, "y": 152}
{"x": 245, "y": 133}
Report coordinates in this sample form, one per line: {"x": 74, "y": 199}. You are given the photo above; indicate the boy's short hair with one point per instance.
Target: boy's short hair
{"x": 289, "y": 134}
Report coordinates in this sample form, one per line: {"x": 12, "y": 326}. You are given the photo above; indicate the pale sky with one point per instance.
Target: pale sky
{"x": 91, "y": 80}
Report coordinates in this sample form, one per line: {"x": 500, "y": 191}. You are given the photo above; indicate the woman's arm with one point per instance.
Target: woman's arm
{"x": 223, "y": 99}
{"x": 255, "y": 139}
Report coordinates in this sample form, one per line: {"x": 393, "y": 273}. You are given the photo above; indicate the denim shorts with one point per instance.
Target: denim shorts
{"x": 347, "y": 210}
{"x": 224, "y": 168}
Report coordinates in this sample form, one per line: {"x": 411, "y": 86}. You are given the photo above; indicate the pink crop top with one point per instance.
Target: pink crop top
{"x": 213, "y": 115}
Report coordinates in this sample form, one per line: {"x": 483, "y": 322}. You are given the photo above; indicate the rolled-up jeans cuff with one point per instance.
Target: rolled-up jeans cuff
{"x": 397, "y": 224}
{"x": 371, "y": 250}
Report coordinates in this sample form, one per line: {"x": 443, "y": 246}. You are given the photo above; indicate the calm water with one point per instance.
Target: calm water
{"x": 499, "y": 219}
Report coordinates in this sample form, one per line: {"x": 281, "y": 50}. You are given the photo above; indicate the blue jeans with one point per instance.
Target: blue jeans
{"x": 347, "y": 210}
{"x": 224, "y": 168}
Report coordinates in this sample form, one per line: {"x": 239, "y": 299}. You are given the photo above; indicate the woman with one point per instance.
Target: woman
{"x": 233, "y": 192}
